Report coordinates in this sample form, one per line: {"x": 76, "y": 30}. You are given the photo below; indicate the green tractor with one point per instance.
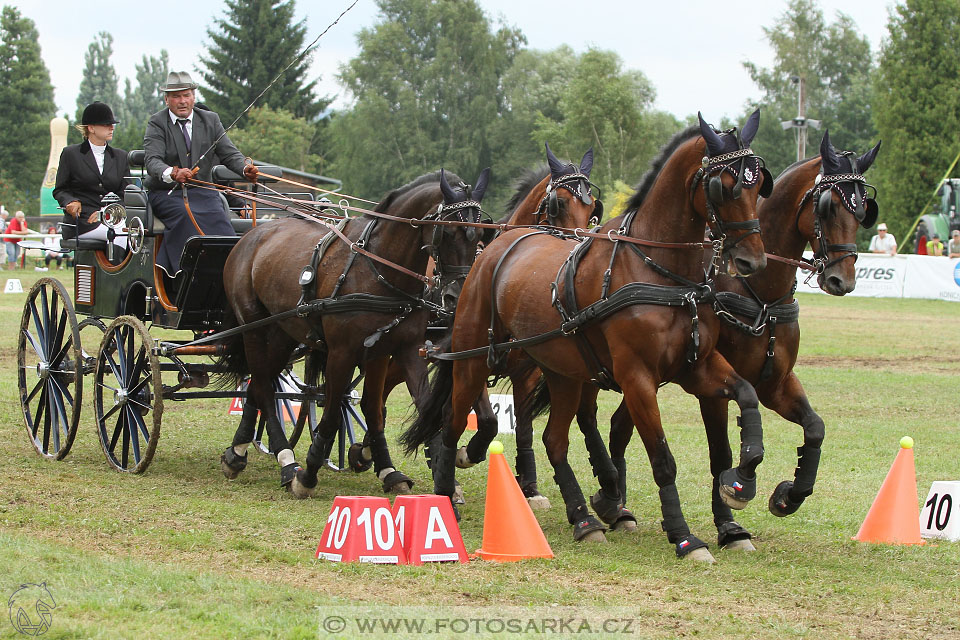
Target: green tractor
{"x": 943, "y": 217}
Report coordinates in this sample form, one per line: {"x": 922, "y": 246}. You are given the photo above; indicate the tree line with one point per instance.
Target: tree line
{"x": 437, "y": 83}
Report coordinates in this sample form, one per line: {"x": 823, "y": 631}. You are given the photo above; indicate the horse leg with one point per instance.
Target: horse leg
{"x": 234, "y": 459}
{"x": 607, "y": 502}
{"x": 790, "y": 401}
{"x": 730, "y": 535}
{"x": 640, "y": 396}
{"x": 564, "y": 399}
{"x": 523, "y": 386}
{"x": 339, "y": 370}
{"x": 621, "y": 430}
{"x": 359, "y": 455}
{"x": 372, "y": 406}
{"x": 715, "y": 378}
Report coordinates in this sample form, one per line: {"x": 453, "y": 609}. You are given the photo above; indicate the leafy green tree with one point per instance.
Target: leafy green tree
{"x": 835, "y": 65}
{"x": 609, "y": 109}
{"x": 248, "y": 48}
{"x": 427, "y": 89}
{"x": 140, "y": 102}
{"x": 916, "y": 108}
{"x": 280, "y": 138}
{"x": 99, "y": 78}
{"x": 26, "y": 107}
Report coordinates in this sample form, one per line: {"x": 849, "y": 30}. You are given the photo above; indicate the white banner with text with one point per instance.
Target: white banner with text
{"x": 900, "y": 276}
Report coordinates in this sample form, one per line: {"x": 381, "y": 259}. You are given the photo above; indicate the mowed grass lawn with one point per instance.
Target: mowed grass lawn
{"x": 180, "y": 552}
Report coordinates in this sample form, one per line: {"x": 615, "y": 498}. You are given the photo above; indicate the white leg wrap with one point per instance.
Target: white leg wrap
{"x": 385, "y": 472}
{"x": 241, "y": 449}
{"x": 286, "y": 457}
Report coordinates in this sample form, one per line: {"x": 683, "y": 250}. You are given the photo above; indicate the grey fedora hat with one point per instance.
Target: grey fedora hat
{"x": 179, "y": 81}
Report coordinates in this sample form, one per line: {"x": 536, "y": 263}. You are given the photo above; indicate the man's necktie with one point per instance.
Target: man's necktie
{"x": 183, "y": 127}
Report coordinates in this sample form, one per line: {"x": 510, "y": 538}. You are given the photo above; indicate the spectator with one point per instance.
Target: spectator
{"x": 934, "y": 246}
{"x": 953, "y": 247}
{"x": 51, "y": 243}
{"x": 17, "y": 227}
{"x": 883, "y": 242}
{"x": 3, "y": 219}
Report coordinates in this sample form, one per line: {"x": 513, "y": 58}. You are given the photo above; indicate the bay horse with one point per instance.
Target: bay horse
{"x": 366, "y": 306}
{"x": 557, "y": 194}
{"x": 820, "y": 201}
{"x": 640, "y": 326}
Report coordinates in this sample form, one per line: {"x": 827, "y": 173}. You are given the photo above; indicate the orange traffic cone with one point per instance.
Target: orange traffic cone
{"x": 510, "y": 530}
{"x": 894, "y": 517}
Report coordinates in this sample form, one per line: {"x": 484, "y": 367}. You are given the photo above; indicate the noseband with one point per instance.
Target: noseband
{"x": 737, "y": 163}
{"x": 457, "y": 211}
{"x": 579, "y": 185}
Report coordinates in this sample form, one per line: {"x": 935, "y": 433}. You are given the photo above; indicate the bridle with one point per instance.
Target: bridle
{"x": 449, "y": 278}
{"x": 848, "y": 186}
{"x": 747, "y": 168}
{"x": 579, "y": 185}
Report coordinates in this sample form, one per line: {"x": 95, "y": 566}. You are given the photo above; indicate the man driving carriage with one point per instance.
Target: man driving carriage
{"x": 180, "y": 143}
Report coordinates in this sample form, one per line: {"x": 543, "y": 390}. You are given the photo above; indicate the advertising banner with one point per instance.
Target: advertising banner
{"x": 900, "y": 276}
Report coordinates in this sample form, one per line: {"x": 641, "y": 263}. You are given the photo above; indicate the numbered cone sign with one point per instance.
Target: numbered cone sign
{"x": 361, "y": 529}
{"x": 940, "y": 517}
{"x": 428, "y": 529}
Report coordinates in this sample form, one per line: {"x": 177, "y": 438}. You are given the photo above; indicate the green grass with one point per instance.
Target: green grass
{"x": 180, "y": 552}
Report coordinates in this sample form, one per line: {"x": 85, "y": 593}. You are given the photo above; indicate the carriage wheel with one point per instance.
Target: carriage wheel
{"x": 127, "y": 398}
{"x": 91, "y": 335}
{"x": 50, "y": 369}
{"x": 308, "y": 410}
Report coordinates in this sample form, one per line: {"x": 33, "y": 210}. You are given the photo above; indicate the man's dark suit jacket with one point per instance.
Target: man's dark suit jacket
{"x": 78, "y": 178}
{"x": 164, "y": 146}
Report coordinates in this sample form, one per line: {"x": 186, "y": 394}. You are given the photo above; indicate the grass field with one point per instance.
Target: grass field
{"x": 180, "y": 552}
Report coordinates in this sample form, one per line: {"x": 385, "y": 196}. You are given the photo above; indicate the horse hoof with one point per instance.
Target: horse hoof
{"x": 538, "y": 502}
{"x": 593, "y": 536}
{"x": 299, "y": 488}
{"x": 463, "y": 460}
{"x": 701, "y": 555}
{"x": 736, "y": 491}
{"x": 288, "y": 473}
{"x": 357, "y": 461}
{"x": 740, "y": 545}
{"x": 626, "y": 524}
{"x": 458, "y": 495}
{"x": 780, "y": 503}
{"x": 232, "y": 464}
{"x": 397, "y": 482}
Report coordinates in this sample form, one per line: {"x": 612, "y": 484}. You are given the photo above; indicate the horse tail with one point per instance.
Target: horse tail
{"x": 230, "y": 367}
{"x": 431, "y": 407}
{"x": 538, "y": 401}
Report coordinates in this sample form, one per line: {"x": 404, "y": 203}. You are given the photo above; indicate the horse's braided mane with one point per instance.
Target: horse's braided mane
{"x": 428, "y": 178}
{"x": 646, "y": 183}
{"x": 524, "y": 185}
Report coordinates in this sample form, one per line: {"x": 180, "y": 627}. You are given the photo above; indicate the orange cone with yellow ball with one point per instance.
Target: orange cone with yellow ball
{"x": 510, "y": 530}
{"x": 894, "y": 517}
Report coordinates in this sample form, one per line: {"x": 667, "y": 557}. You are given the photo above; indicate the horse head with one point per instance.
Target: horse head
{"x": 453, "y": 247}
{"x": 569, "y": 201}
{"x": 733, "y": 177}
{"x": 839, "y": 189}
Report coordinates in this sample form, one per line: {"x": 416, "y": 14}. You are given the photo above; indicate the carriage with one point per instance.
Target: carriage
{"x": 122, "y": 296}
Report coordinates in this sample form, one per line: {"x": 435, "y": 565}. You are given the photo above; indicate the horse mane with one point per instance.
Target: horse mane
{"x": 428, "y": 178}
{"x": 797, "y": 164}
{"x": 524, "y": 184}
{"x": 646, "y": 183}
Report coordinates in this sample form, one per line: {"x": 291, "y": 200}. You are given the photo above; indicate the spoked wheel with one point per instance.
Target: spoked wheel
{"x": 287, "y": 382}
{"x": 91, "y": 335}
{"x": 50, "y": 369}
{"x": 308, "y": 410}
{"x": 127, "y": 401}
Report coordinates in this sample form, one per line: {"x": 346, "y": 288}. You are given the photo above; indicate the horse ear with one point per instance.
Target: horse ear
{"x": 828, "y": 155}
{"x": 714, "y": 143}
{"x": 864, "y": 161}
{"x": 448, "y": 195}
{"x": 556, "y": 167}
{"x": 587, "y": 163}
{"x": 482, "y": 182}
{"x": 750, "y": 129}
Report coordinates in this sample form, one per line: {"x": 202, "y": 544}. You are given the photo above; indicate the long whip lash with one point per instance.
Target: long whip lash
{"x": 296, "y": 59}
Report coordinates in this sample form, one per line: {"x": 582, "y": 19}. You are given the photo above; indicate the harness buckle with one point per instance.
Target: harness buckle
{"x": 354, "y": 246}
